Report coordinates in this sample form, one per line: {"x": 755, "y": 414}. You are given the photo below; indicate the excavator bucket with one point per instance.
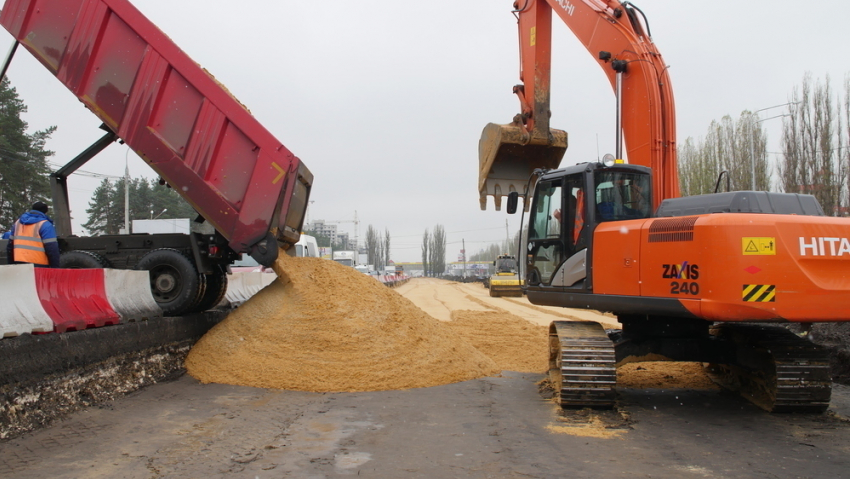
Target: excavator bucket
{"x": 506, "y": 159}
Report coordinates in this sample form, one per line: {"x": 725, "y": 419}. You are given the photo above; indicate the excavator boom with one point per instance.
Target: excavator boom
{"x": 615, "y": 35}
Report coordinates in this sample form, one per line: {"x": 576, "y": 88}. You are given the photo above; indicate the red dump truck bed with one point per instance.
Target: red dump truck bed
{"x": 171, "y": 111}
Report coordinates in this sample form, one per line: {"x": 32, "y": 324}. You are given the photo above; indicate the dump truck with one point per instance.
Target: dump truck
{"x": 249, "y": 190}
{"x": 505, "y": 280}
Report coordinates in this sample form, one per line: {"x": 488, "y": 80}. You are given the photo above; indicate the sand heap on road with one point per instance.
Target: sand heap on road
{"x": 514, "y": 343}
{"x": 325, "y": 327}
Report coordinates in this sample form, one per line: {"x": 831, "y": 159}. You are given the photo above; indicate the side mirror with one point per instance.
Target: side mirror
{"x": 513, "y": 200}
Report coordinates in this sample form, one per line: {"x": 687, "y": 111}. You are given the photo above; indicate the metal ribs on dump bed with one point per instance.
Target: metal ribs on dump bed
{"x": 582, "y": 364}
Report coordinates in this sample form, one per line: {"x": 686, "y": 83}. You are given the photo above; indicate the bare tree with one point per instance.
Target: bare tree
{"x": 752, "y": 148}
{"x": 731, "y": 146}
{"x": 696, "y": 172}
{"x": 438, "y": 250}
{"x": 845, "y": 143}
{"x": 811, "y": 144}
{"x": 379, "y": 256}
{"x": 372, "y": 246}
{"x": 426, "y": 243}
{"x": 386, "y": 247}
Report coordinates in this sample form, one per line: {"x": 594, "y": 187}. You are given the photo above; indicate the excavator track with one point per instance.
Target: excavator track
{"x": 776, "y": 369}
{"x": 582, "y": 364}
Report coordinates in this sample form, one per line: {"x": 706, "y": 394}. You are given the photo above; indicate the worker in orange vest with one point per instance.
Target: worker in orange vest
{"x": 33, "y": 239}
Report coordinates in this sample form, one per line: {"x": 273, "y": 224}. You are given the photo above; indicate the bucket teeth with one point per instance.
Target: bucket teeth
{"x": 507, "y": 156}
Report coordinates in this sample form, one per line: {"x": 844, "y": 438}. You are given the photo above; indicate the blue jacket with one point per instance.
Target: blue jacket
{"x": 46, "y": 231}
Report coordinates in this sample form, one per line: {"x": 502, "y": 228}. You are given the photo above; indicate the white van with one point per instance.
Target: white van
{"x": 307, "y": 247}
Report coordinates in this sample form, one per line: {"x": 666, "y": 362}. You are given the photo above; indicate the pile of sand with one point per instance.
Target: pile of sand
{"x": 664, "y": 375}
{"x": 514, "y": 343}
{"x": 325, "y": 327}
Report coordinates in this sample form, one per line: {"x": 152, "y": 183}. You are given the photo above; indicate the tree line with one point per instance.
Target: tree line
{"x": 23, "y": 159}
{"x": 377, "y": 248}
{"x": 148, "y": 200}
{"x": 492, "y": 250}
{"x": 24, "y": 178}
{"x": 434, "y": 251}
{"x": 815, "y": 143}
{"x": 814, "y": 159}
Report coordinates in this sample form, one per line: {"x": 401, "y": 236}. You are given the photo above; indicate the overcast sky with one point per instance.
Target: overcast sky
{"x": 385, "y": 101}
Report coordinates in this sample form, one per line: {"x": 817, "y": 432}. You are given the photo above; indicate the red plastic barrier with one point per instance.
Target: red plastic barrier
{"x": 74, "y": 299}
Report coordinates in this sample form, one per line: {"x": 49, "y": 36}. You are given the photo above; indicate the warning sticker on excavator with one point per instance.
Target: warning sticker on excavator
{"x": 760, "y": 245}
{"x": 759, "y": 293}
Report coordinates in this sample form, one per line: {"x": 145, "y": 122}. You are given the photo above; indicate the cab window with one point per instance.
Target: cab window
{"x": 622, "y": 195}
{"x": 545, "y": 217}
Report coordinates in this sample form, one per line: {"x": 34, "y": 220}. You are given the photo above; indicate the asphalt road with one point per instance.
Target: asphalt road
{"x": 491, "y": 427}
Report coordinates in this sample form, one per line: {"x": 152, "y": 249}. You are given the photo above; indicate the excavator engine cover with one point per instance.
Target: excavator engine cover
{"x": 507, "y": 159}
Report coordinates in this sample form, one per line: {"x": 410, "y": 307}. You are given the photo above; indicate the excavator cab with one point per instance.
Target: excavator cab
{"x": 507, "y": 156}
{"x": 566, "y": 206}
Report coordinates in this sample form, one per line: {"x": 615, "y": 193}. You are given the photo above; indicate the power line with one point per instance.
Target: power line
{"x": 453, "y": 232}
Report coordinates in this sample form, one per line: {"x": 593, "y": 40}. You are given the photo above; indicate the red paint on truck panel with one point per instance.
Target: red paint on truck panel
{"x": 184, "y": 124}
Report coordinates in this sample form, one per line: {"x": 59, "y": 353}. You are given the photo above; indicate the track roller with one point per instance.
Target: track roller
{"x": 582, "y": 364}
{"x": 776, "y": 369}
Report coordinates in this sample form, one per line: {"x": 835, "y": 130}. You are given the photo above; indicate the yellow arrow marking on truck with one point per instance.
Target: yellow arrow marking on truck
{"x": 280, "y": 171}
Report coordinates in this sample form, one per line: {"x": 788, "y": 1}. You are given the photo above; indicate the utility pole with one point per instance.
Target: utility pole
{"x": 356, "y": 231}
{"x": 126, "y": 197}
{"x": 108, "y": 187}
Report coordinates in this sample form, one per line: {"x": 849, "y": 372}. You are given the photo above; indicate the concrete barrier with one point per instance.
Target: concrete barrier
{"x": 75, "y": 299}
{"x": 392, "y": 280}
{"x": 241, "y": 286}
{"x": 129, "y": 294}
{"x": 235, "y": 294}
{"x": 20, "y": 308}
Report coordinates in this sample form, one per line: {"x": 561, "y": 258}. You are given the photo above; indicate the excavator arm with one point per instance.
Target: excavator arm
{"x": 618, "y": 37}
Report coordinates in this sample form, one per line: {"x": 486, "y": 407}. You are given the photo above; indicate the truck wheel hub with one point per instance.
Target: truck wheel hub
{"x": 165, "y": 283}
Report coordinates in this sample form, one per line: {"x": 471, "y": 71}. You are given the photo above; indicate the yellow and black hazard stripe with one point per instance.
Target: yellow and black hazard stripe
{"x": 759, "y": 293}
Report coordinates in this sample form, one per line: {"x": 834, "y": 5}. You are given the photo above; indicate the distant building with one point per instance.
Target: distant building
{"x": 343, "y": 239}
{"x": 325, "y": 229}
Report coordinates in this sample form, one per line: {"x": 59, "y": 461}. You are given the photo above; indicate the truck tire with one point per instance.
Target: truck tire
{"x": 216, "y": 287}
{"x": 175, "y": 282}
{"x": 79, "y": 259}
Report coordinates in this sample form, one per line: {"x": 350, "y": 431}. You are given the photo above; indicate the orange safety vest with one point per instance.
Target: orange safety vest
{"x": 27, "y": 245}
{"x": 578, "y": 222}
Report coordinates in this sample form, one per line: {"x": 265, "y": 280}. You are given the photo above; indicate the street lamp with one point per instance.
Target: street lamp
{"x": 752, "y": 147}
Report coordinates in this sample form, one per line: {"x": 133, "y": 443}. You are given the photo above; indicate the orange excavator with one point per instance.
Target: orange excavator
{"x": 703, "y": 278}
